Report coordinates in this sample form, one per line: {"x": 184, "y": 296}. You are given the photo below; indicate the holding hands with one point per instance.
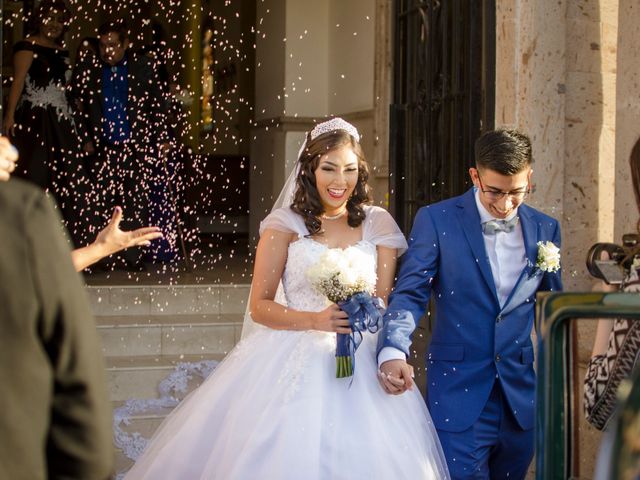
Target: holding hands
{"x": 396, "y": 376}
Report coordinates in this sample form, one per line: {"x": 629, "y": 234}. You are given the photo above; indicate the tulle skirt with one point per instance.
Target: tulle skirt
{"x": 273, "y": 409}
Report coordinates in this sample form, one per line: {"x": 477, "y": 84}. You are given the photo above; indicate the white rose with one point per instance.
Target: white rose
{"x": 348, "y": 277}
{"x": 334, "y": 259}
{"x": 362, "y": 264}
{"x": 548, "y": 257}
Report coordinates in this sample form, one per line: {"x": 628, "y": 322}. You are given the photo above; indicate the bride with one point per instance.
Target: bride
{"x": 274, "y": 409}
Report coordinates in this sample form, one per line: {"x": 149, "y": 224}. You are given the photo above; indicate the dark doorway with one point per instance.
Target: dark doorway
{"x": 444, "y": 82}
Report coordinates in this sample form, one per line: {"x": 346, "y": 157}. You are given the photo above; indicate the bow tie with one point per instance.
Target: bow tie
{"x": 493, "y": 226}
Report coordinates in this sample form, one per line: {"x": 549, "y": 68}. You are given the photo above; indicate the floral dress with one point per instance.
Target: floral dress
{"x": 607, "y": 370}
{"x": 50, "y": 151}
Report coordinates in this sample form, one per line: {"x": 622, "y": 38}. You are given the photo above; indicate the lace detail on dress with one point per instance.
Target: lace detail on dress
{"x": 53, "y": 95}
{"x": 170, "y": 389}
{"x": 300, "y": 295}
{"x": 303, "y": 253}
{"x": 293, "y": 371}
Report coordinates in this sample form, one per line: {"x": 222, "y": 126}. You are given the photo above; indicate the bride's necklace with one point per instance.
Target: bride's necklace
{"x": 334, "y": 217}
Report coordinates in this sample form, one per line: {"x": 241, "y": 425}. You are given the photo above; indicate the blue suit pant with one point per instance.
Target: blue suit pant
{"x": 494, "y": 447}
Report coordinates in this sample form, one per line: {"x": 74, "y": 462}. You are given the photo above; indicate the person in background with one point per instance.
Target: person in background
{"x": 617, "y": 342}
{"x": 123, "y": 127}
{"x": 40, "y": 120}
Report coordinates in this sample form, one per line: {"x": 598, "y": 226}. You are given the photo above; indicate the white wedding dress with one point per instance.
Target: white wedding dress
{"x": 274, "y": 409}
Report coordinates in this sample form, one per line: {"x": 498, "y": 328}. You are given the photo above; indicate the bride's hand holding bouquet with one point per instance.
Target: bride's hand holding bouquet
{"x": 347, "y": 279}
{"x": 332, "y": 319}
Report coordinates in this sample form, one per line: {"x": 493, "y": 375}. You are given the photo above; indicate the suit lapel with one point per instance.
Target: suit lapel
{"x": 527, "y": 283}
{"x": 470, "y": 221}
{"x": 530, "y": 233}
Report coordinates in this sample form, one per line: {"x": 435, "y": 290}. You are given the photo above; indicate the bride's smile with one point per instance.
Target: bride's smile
{"x": 336, "y": 178}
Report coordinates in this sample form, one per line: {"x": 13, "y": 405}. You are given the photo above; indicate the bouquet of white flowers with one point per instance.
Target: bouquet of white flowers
{"x": 347, "y": 277}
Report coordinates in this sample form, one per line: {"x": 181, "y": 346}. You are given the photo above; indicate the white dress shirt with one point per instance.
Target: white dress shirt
{"x": 507, "y": 258}
{"x": 506, "y": 253}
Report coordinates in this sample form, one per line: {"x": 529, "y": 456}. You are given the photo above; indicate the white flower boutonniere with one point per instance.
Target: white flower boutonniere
{"x": 548, "y": 257}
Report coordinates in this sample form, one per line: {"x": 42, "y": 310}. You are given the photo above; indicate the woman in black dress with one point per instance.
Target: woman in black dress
{"x": 39, "y": 119}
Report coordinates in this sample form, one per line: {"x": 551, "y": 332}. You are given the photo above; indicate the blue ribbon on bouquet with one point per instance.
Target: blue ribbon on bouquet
{"x": 365, "y": 315}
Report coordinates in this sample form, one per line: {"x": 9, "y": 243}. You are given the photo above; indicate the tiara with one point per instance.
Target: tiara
{"x": 332, "y": 125}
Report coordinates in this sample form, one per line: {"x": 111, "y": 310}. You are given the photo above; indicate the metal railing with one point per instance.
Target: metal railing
{"x": 554, "y": 439}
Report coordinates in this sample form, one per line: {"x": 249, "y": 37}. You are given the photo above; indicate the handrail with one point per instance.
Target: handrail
{"x": 553, "y": 384}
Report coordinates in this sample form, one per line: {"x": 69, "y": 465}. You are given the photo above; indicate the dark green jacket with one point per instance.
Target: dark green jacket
{"x": 54, "y": 408}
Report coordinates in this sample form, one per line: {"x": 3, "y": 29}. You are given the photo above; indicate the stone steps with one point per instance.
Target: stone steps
{"x": 147, "y": 330}
{"x": 168, "y": 299}
{"x": 147, "y": 335}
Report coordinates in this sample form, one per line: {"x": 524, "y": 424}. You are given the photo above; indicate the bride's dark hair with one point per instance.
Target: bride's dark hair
{"x": 306, "y": 200}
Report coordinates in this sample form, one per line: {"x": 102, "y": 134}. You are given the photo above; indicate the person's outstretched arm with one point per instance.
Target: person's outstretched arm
{"x": 111, "y": 240}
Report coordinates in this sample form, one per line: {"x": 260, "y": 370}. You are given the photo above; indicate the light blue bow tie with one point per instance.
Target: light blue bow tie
{"x": 493, "y": 226}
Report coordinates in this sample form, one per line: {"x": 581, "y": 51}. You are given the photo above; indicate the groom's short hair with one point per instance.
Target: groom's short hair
{"x": 118, "y": 26}
{"x": 507, "y": 152}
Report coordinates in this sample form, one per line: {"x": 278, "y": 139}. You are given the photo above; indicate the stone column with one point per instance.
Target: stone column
{"x": 628, "y": 115}
{"x": 313, "y": 60}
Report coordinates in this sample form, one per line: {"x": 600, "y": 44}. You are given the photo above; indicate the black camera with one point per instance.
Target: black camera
{"x": 613, "y": 270}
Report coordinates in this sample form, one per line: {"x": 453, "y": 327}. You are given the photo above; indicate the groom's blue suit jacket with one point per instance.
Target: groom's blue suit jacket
{"x": 475, "y": 341}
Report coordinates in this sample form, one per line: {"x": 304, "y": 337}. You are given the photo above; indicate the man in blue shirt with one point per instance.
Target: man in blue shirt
{"x": 123, "y": 124}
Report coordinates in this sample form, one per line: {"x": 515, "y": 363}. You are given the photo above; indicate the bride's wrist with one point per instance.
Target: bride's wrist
{"x": 313, "y": 321}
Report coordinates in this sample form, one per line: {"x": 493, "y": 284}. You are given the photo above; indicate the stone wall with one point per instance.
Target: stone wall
{"x": 567, "y": 74}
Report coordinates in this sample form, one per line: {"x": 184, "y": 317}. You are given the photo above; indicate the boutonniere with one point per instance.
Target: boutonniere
{"x": 548, "y": 257}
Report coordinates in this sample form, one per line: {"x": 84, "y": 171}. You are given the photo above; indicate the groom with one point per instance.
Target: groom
{"x": 476, "y": 256}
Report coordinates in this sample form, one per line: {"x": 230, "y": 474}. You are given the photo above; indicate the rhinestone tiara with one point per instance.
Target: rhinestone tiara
{"x": 332, "y": 125}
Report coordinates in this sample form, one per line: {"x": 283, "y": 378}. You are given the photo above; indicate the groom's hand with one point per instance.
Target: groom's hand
{"x": 396, "y": 376}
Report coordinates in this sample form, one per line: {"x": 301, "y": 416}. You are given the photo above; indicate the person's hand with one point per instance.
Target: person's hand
{"x": 88, "y": 148}
{"x": 112, "y": 239}
{"x": 9, "y": 125}
{"x": 332, "y": 319}
{"x": 8, "y": 158}
{"x": 396, "y": 376}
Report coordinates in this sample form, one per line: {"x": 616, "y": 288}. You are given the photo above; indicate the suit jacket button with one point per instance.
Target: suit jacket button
{"x": 497, "y": 358}
{"x": 498, "y": 318}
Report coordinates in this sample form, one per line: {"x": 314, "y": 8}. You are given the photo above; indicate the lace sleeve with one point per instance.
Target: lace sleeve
{"x": 381, "y": 229}
{"x": 284, "y": 220}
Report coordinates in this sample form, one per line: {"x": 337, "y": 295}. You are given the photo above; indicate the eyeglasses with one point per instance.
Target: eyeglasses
{"x": 495, "y": 195}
